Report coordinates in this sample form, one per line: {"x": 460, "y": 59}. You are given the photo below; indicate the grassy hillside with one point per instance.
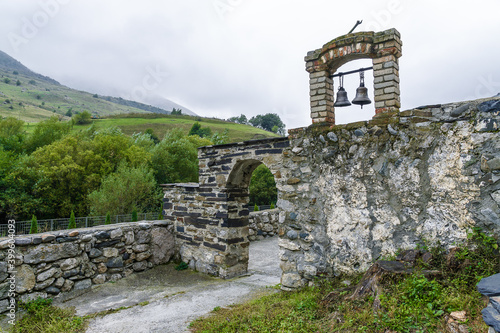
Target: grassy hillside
{"x": 34, "y": 99}
{"x": 160, "y": 124}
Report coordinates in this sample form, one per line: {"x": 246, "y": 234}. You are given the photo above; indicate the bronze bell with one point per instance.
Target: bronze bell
{"x": 342, "y": 99}
{"x": 361, "y": 93}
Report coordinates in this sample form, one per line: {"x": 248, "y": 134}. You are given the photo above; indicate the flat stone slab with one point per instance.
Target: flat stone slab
{"x": 490, "y": 286}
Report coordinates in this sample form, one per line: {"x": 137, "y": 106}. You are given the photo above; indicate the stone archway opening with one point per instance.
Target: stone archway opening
{"x": 260, "y": 226}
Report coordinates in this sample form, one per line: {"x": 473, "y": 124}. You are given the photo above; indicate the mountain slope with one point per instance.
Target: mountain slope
{"x": 32, "y": 97}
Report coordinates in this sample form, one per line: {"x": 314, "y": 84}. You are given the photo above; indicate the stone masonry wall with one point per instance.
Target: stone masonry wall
{"x": 263, "y": 224}
{"x": 71, "y": 261}
{"x": 366, "y": 189}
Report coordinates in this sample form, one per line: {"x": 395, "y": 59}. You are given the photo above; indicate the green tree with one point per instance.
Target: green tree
{"x": 125, "y": 189}
{"x": 262, "y": 189}
{"x": 18, "y": 83}
{"x": 202, "y": 132}
{"x": 34, "y": 225}
{"x": 47, "y": 132}
{"x": 242, "y": 119}
{"x": 154, "y": 137}
{"x": 176, "y": 112}
{"x": 82, "y": 118}
{"x": 12, "y": 134}
{"x": 268, "y": 123}
{"x": 175, "y": 158}
{"x": 134, "y": 215}
{"x": 72, "y": 221}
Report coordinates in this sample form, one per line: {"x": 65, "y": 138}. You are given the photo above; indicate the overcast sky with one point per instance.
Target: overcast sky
{"x": 224, "y": 58}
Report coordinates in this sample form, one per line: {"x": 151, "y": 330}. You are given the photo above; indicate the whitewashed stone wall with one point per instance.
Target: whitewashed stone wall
{"x": 364, "y": 190}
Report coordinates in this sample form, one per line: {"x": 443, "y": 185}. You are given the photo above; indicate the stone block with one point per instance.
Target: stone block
{"x": 99, "y": 279}
{"x": 44, "y": 284}
{"x": 490, "y": 286}
{"x": 51, "y": 252}
{"x": 69, "y": 263}
{"x": 110, "y": 252}
{"x": 82, "y": 284}
{"x": 47, "y": 274}
{"x": 491, "y": 317}
{"x": 162, "y": 246}
{"x": 25, "y": 279}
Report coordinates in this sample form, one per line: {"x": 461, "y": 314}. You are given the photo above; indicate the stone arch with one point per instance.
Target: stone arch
{"x": 211, "y": 217}
{"x": 384, "y": 48}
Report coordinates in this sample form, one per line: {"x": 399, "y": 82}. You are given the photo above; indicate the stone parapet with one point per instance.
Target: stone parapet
{"x": 63, "y": 263}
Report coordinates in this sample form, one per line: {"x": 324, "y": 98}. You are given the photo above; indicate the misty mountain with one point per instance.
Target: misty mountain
{"x": 32, "y": 96}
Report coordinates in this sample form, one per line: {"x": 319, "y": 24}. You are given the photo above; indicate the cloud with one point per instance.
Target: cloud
{"x": 227, "y": 57}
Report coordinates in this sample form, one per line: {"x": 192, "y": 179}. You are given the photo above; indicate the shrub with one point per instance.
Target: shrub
{"x": 108, "y": 218}
{"x": 34, "y": 225}
{"x": 255, "y": 208}
{"x": 134, "y": 215}
{"x": 72, "y": 221}
{"x": 83, "y": 118}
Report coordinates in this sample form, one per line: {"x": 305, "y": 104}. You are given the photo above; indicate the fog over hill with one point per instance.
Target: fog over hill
{"x": 11, "y": 67}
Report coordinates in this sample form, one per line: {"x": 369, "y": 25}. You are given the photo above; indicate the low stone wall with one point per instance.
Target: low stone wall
{"x": 74, "y": 260}
{"x": 263, "y": 224}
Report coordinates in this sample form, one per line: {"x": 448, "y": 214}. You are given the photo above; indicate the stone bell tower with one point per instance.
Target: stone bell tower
{"x": 384, "y": 48}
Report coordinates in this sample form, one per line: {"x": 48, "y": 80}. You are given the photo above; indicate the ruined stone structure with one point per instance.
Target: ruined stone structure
{"x": 212, "y": 217}
{"x": 348, "y": 194}
{"x": 71, "y": 261}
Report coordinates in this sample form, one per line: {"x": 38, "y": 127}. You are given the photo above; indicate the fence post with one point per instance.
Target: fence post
{"x": 86, "y": 221}
{"x": 51, "y": 225}
{"x": 116, "y": 218}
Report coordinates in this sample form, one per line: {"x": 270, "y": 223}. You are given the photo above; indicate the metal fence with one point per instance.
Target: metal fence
{"x": 23, "y": 227}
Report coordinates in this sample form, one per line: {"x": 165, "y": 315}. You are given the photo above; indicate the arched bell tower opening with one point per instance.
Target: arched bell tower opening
{"x": 384, "y": 48}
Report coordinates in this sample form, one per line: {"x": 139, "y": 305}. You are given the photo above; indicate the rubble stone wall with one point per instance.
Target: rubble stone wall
{"x": 71, "y": 261}
{"x": 366, "y": 189}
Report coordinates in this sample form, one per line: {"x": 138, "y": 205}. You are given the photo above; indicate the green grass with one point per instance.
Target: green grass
{"x": 42, "y": 317}
{"x": 41, "y": 100}
{"x": 409, "y": 303}
{"x": 34, "y": 102}
{"x": 160, "y": 125}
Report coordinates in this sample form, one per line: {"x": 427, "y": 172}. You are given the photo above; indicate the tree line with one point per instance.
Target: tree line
{"x": 53, "y": 171}
{"x": 270, "y": 122}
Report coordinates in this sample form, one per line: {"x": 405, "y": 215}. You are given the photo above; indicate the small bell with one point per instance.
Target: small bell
{"x": 341, "y": 99}
{"x": 361, "y": 93}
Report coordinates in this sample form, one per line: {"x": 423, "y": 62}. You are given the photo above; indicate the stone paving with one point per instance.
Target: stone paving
{"x": 172, "y": 299}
